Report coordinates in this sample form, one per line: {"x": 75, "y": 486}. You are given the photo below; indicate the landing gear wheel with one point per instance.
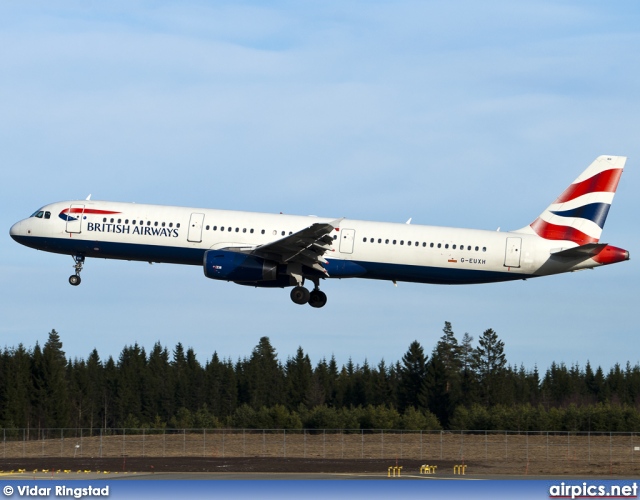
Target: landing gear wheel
{"x": 300, "y": 295}
{"x": 74, "y": 279}
{"x": 317, "y": 298}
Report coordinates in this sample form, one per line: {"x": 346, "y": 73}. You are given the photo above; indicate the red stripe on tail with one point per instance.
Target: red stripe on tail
{"x": 606, "y": 181}
{"x": 550, "y": 231}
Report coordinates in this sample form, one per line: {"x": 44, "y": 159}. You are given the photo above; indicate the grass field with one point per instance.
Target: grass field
{"x": 499, "y": 452}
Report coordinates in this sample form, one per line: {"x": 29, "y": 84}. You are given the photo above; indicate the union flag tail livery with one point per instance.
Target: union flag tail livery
{"x": 579, "y": 213}
{"x": 278, "y": 251}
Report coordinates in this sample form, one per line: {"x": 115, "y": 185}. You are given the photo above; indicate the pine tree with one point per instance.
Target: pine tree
{"x": 490, "y": 365}
{"x": 265, "y": 376}
{"x": 412, "y": 377}
{"x": 298, "y": 379}
{"x": 54, "y": 387}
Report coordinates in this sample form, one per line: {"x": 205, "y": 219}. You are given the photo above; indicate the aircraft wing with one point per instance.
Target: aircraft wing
{"x": 305, "y": 247}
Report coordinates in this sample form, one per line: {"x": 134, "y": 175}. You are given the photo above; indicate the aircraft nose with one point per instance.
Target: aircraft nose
{"x": 16, "y": 230}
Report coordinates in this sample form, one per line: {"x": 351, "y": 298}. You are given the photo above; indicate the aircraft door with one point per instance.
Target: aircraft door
{"x": 347, "y": 237}
{"x": 74, "y": 218}
{"x": 195, "y": 228}
{"x": 512, "y": 253}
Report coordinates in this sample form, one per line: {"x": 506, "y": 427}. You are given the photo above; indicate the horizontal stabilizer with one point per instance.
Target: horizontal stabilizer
{"x": 583, "y": 251}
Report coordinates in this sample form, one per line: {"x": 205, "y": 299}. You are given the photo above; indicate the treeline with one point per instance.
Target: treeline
{"x": 458, "y": 385}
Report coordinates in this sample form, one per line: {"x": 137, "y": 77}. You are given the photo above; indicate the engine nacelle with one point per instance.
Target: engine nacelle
{"x": 238, "y": 267}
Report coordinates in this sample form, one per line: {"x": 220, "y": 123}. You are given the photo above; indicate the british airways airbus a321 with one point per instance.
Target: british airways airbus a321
{"x": 275, "y": 250}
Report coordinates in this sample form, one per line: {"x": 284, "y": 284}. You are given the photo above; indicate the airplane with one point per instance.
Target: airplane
{"x": 277, "y": 250}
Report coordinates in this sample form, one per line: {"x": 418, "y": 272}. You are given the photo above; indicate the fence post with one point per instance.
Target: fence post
{"x": 24, "y": 444}
{"x": 100, "y": 442}
{"x": 284, "y": 438}
{"x": 506, "y": 445}
{"x": 441, "y": 436}
{"x": 324, "y": 443}
{"x": 420, "y": 444}
{"x": 143, "y": 441}
{"x": 381, "y": 443}
{"x": 204, "y": 442}
{"x": 304, "y": 443}
{"x": 589, "y": 447}
{"x": 486, "y": 444}
{"x": 61, "y": 441}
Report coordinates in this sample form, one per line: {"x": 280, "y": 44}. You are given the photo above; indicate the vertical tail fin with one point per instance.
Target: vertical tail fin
{"x": 579, "y": 213}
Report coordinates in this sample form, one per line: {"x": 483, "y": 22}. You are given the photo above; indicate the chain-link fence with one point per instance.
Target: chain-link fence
{"x": 583, "y": 447}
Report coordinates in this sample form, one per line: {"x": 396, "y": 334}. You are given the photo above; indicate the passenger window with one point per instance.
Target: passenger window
{"x": 244, "y": 229}
{"x": 111, "y": 221}
{"x": 469, "y": 247}
{"x": 251, "y": 231}
{"x": 477, "y": 249}
{"x": 262, "y": 232}
{"x": 119, "y": 221}
{"x": 417, "y": 244}
{"x": 170, "y": 224}
{"x": 282, "y": 233}
{"x": 364, "y": 240}
{"x": 163, "y": 224}
{"x": 439, "y": 245}
{"x": 126, "y": 221}
{"x": 402, "y": 242}
{"x": 148, "y": 223}
{"x": 155, "y": 223}
{"x": 372, "y": 240}
{"x": 379, "y": 240}
{"x": 335, "y": 237}
{"x": 453, "y": 247}
{"x": 206, "y": 227}
{"x": 386, "y": 242}
{"x": 446, "y": 245}
{"x": 104, "y": 219}
{"x": 221, "y": 228}
{"x": 134, "y": 222}
{"x": 394, "y": 242}
{"x": 431, "y": 245}
{"x": 178, "y": 224}
{"x": 484, "y": 249}
{"x": 409, "y": 243}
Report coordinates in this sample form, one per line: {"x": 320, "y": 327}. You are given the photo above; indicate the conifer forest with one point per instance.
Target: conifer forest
{"x": 460, "y": 384}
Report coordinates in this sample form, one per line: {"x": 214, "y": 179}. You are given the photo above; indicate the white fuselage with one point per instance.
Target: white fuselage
{"x": 374, "y": 250}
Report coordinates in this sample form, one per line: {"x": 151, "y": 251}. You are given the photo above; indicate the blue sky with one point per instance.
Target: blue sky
{"x": 453, "y": 113}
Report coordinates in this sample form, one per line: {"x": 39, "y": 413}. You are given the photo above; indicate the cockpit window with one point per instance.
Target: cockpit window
{"x": 47, "y": 215}
{"x": 38, "y": 214}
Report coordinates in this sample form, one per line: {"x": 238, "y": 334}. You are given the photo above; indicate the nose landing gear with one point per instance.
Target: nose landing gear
{"x": 74, "y": 279}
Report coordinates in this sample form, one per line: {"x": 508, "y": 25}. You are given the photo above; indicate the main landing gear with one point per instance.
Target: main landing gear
{"x": 74, "y": 279}
{"x": 315, "y": 298}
